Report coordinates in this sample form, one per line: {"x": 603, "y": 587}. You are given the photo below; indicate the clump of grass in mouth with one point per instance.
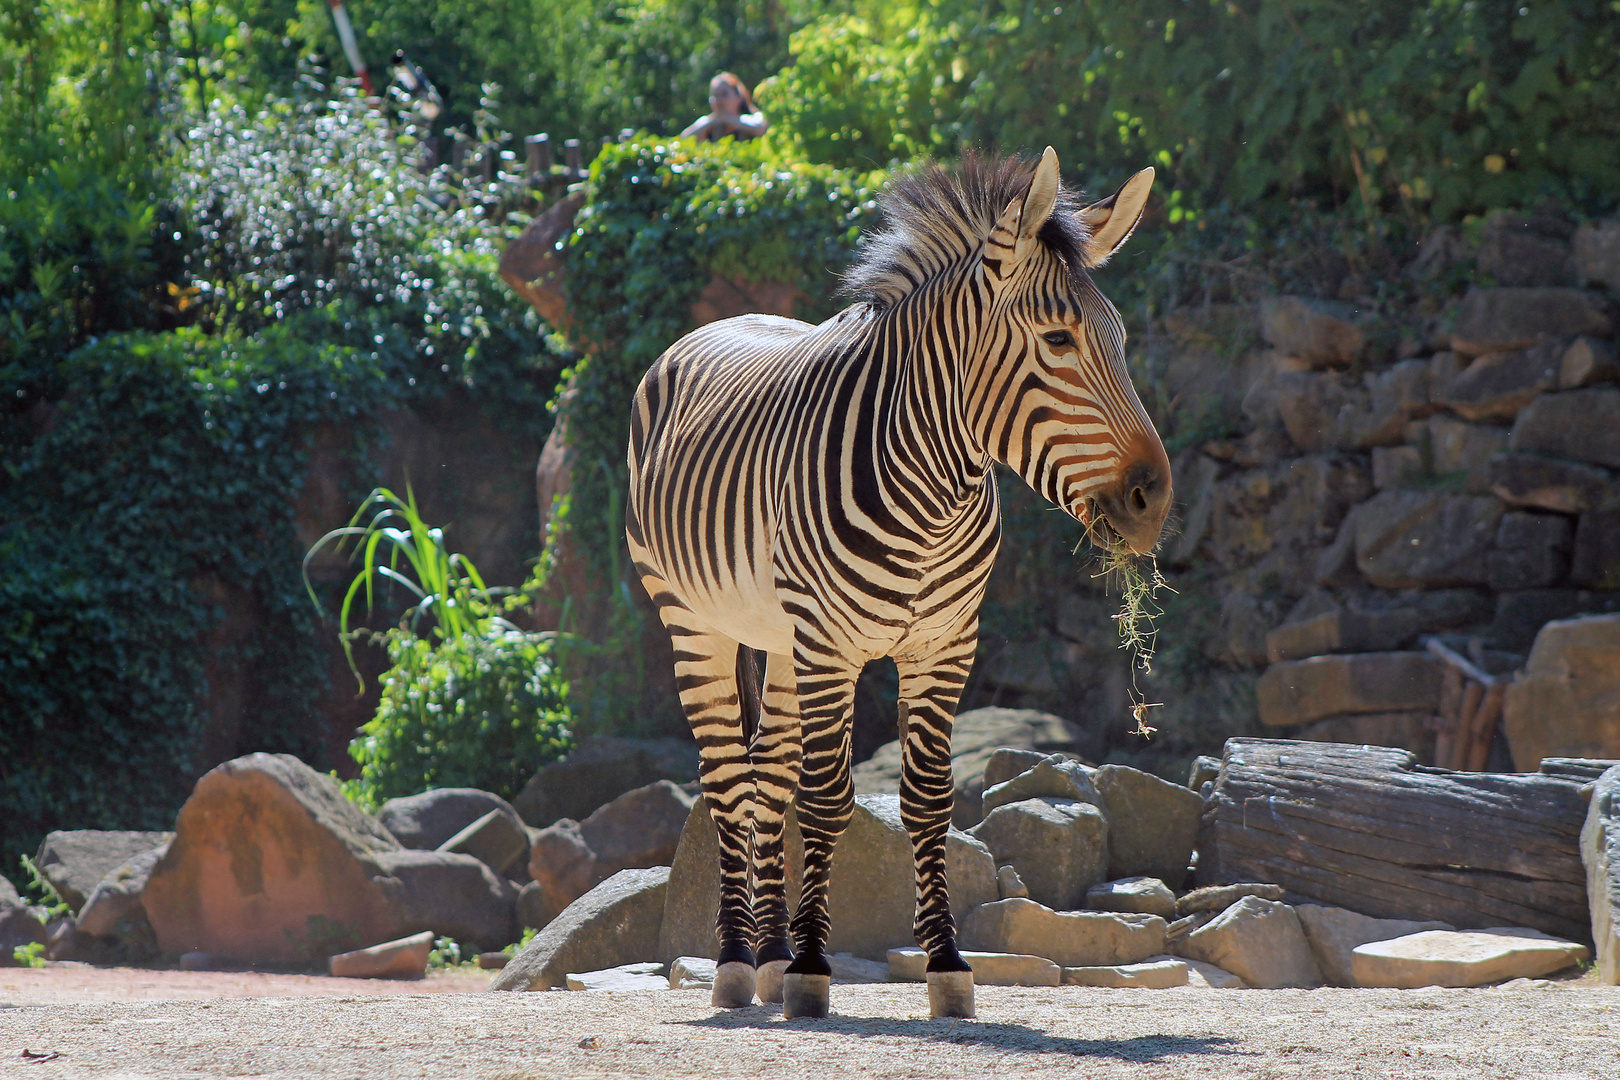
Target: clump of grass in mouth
{"x": 1140, "y": 582}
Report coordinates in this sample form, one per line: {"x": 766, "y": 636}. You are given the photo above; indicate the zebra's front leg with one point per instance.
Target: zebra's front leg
{"x": 776, "y": 753}
{"x": 706, "y": 676}
{"x": 929, "y": 690}
{"x": 826, "y": 800}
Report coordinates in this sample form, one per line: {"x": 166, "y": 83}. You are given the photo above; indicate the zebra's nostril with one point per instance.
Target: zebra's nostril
{"x": 1138, "y": 500}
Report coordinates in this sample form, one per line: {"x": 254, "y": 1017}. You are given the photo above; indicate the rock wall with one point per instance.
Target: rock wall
{"x": 1390, "y": 475}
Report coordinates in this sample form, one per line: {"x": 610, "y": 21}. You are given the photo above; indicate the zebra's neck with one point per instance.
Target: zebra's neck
{"x": 922, "y": 344}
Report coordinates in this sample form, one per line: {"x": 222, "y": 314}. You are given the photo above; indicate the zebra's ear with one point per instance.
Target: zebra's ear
{"x": 1013, "y": 238}
{"x": 1112, "y": 220}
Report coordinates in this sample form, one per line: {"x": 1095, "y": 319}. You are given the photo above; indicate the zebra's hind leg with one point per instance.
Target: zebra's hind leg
{"x": 929, "y": 690}
{"x": 706, "y": 676}
{"x": 776, "y": 752}
{"x": 825, "y": 802}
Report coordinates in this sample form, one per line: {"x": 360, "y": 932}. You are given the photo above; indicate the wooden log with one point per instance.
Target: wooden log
{"x": 1368, "y": 829}
{"x": 1484, "y": 726}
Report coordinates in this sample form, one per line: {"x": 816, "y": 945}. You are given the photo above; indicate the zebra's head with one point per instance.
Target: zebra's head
{"x": 1048, "y": 392}
{"x": 1038, "y": 352}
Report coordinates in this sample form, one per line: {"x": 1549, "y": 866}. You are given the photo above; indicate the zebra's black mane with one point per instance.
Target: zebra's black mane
{"x": 934, "y": 217}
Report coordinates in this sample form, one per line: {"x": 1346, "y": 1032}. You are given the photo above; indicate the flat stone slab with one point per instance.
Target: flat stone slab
{"x": 854, "y": 969}
{"x": 1335, "y": 932}
{"x": 989, "y": 968}
{"x": 1148, "y": 975}
{"x": 692, "y": 973}
{"x": 1206, "y": 976}
{"x": 1068, "y": 938}
{"x": 644, "y": 976}
{"x": 1463, "y": 958}
{"x": 405, "y": 958}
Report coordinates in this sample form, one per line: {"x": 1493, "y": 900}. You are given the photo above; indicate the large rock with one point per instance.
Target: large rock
{"x": 1335, "y": 932}
{"x": 1503, "y": 319}
{"x": 1600, "y": 853}
{"x": 1587, "y": 361}
{"x": 20, "y": 925}
{"x": 1059, "y": 847}
{"x": 1518, "y": 250}
{"x": 1595, "y": 561}
{"x": 430, "y": 819}
{"x": 532, "y": 909}
{"x": 1305, "y": 691}
{"x": 638, "y": 829}
{"x": 1424, "y": 540}
{"x": 1579, "y": 425}
{"x": 117, "y": 898}
{"x": 454, "y": 895}
{"x": 1544, "y": 483}
{"x": 269, "y": 862}
{"x": 1260, "y": 941}
{"x": 1153, "y": 824}
{"x": 1068, "y": 938}
{"x": 1463, "y": 958}
{"x": 497, "y": 839}
{"x": 975, "y": 737}
{"x": 1532, "y": 551}
{"x": 1497, "y": 385}
{"x": 1597, "y": 253}
{"x": 1567, "y": 701}
{"x": 615, "y": 923}
{"x": 1054, "y": 776}
{"x": 1322, "y": 333}
{"x": 1144, "y": 895}
{"x": 1008, "y": 762}
{"x": 1456, "y": 447}
{"x": 598, "y": 771}
{"x": 872, "y": 895}
{"x": 75, "y": 862}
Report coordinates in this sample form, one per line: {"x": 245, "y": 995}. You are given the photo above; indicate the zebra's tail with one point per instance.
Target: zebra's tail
{"x": 749, "y": 673}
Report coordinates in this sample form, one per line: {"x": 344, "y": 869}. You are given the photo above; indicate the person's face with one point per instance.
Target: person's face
{"x": 723, "y": 98}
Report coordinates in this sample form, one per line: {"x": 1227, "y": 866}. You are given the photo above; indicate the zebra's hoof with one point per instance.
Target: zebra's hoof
{"x": 805, "y": 995}
{"x": 733, "y": 986}
{"x": 950, "y": 993}
{"x": 768, "y": 985}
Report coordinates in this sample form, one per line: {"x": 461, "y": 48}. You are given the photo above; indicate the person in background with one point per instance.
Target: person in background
{"x": 731, "y": 112}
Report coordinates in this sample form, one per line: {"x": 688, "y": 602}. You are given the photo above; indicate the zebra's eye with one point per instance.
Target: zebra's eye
{"x": 1058, "y": 338}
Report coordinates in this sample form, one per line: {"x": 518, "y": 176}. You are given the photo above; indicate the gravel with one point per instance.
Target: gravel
{"x": 1542, "y": 1030}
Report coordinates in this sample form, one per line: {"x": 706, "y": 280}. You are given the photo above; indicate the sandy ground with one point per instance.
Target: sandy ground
{"x": 210, "y": 1026}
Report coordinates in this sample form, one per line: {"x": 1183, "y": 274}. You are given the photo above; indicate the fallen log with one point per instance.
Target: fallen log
{"x": 1367, "y": 828}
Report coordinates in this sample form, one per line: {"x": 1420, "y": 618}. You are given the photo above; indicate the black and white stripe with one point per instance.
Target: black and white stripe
{"x": 824, "y": 495}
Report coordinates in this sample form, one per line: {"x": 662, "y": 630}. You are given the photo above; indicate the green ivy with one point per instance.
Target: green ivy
{"x": 661, "y": 219}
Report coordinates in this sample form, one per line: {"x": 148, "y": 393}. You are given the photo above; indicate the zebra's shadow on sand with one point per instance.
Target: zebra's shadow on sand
{"x": 1014, "y": 1038}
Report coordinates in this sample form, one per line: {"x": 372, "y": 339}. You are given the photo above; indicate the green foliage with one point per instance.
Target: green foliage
{"x": 41, "y": 891}
{"x": 139, "y": 505}
{"x": 581, "y": 68}
{"x": 31, "y": 955}
{"x": 1428, "y": 110}
{"x": 447, "y": 586}
{"x": 150, "y": 475}
{"x": 474, "y": 702}
{"x": 482, "y": 709}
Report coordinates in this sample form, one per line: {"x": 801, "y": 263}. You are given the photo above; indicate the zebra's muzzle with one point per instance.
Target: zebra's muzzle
{"x": 1136, "y": 504}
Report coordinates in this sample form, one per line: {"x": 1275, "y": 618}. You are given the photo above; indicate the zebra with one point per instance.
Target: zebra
{"x": 825, "y": 495}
